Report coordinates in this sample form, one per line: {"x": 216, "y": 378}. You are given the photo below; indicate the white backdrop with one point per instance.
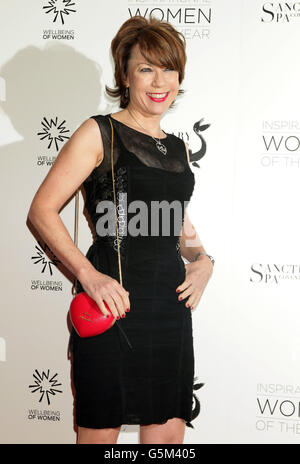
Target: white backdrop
{"x": 242, "y": 79}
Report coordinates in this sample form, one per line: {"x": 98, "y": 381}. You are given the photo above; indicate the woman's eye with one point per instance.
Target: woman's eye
{"x": 149, "y": 69}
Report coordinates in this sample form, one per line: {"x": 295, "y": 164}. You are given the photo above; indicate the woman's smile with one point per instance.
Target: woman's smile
{"x": 158, "y": 97}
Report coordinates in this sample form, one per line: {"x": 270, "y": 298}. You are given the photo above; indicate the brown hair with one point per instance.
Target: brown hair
{"x": 159, "y": 43}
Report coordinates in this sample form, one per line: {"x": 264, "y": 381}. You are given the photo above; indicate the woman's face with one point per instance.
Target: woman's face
{"x": 152, "y": 89}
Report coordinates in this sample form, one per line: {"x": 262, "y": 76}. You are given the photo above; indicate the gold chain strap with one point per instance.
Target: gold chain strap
{"x": 115, "y": 201}
{"x": 74, "y": 291}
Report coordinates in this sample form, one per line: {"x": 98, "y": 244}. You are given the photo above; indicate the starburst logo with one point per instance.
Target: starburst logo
{"x": 53, "y": 132}
{"x": 59, "y": 8}
{"x": 42, "y": 258}
{"x": 45, "y": 385}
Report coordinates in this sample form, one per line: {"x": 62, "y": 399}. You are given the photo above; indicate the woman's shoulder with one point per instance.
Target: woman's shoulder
{"x": 103, "y": 124}
{"x": 181, "y": 145}
{"x": 100, "y": 118}
{"x": 176, "y": 140}
{"x": 104, "y": 129}
{"x": 175, "y": 137}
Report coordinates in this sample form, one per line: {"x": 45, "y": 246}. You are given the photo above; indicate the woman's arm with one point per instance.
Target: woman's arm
{"x": 76, "y": 160}
{"x": 198, "y": 272}
{"x": 73, "y": 164}
{"x": 190, "y": 243}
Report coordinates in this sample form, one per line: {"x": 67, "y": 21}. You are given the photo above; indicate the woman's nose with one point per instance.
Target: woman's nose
{"x": 159, "y": 79}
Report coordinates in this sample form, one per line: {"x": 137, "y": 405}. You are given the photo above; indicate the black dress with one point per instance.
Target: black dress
{"x": 140, "y": 371}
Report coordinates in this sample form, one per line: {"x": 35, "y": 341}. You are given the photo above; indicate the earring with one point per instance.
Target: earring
{"x": 126, "y": 92}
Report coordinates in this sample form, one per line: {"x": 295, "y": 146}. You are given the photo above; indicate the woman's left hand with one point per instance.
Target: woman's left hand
{"x": 197, "y": 276}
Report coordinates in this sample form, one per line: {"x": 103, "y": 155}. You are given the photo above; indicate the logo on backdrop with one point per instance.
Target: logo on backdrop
{"x": 42, "y": 259}
{"x": 45, "y": 385}
{"x": 54, "y": 134}
{"x": 274, "y": 273}
{"x": 193, "y": 19}
{"x": 278, "y": 408}
{"x": 280, "y": 12}
{"x": 46, "y": 267}
{"x": 281, "y": 144}
{"x": 198, "y": 129}
{"x": 58, "y": 12}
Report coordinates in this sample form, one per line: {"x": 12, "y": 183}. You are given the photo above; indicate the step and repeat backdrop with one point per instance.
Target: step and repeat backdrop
{"x": 240, "y": 116}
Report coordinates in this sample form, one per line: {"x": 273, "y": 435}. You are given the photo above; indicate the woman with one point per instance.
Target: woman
{"x": 143, "y": 374}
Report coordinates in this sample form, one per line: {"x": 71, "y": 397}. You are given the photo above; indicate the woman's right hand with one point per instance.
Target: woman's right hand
{"x": 102, "y": 287}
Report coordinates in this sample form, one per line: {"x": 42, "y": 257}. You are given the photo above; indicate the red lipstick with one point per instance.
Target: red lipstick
{"x": 158, "y": 100}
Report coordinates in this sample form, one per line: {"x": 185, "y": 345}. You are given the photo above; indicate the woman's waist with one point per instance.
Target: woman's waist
{"x": 165, "y": 243}
{"x": 139, "y": 254}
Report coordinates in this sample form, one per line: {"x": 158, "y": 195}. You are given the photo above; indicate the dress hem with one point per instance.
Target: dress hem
{"x": 159, "y": 422}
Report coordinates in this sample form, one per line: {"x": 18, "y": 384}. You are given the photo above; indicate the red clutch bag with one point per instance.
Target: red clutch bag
{"x": 87, "y": 318}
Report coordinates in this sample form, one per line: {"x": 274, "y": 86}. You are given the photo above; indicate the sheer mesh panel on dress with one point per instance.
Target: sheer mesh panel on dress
{"x": 139, "y": 145}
